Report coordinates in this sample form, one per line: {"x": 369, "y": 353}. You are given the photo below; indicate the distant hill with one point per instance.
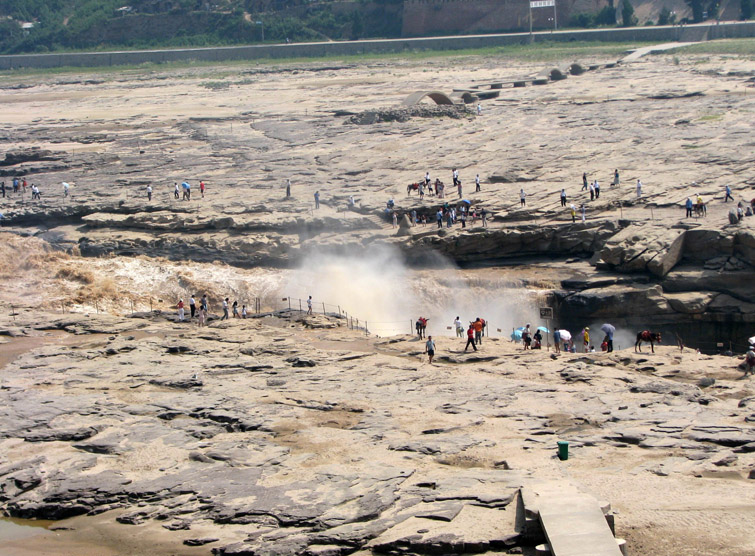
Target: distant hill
{"x": 54, "y": 25}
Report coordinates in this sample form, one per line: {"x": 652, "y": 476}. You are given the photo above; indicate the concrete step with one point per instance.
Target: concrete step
{"x": 573, "y": 523}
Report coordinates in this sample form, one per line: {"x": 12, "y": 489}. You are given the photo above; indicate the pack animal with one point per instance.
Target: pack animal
{"x": 646, "y": 336}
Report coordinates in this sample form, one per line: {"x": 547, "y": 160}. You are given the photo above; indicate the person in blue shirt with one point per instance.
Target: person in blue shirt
{"x": 689, "y": 206}
{"x": 728, "y": 194}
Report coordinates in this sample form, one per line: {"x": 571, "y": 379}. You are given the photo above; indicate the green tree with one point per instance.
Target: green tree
{"x": 745, "y": 9}
{"x": 606, "y": 16}
{"x": 664, "y": 18}
{"x": 697, "y": 10}
{"x": 628, "y": 19}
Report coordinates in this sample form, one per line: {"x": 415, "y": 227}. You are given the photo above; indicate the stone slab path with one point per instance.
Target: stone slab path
{"x": 573, "y": 522}
{"x": 645, "y": 50}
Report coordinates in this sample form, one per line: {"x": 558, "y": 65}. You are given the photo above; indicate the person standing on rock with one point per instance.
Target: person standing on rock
{"x": 201, "y": 188}
{"x": 65, "y": 189}
{"x": 616, "y": 177}
{"x": 455, "y": 176}
{"x": 479, "y": 109}
{"x": 149, "y": 192}
{"x": 582, "y": 206}
{"x": 484, "y": 215}
{"x": 180, "y": 310}
{"x": 592, "y": 191}
{"x": 202, "y": 317}
{"x": 192, "y": 306}
{"x": 235, "y": 308}
{"x": 439, "y": 218}
{"x": 557, "y": 340}
{"x": 477, "y": 183}
{"x": 2, "y": 188}
{"x": 522, "y": 198}
{"x": 688, "y": 205}
{"x": 15, "y": 185}
{"x": 563, "y": 197}
{"x": 584, "y": 181}
{"x": 204, "y": 305}
{"x": 225, "y": 310}
{"x": 309, "y": 305}
{"x": 470, "y": 338}
{"x": 449, "y": 218}
{"x": 639, "y": 188}
{"x": 288, "y": 188}
{"x": 459, "y": 328}
{"x": 427, "y": 178}
{"x": 458, "y": 188}
{"x": 243, "y": 311}
{"x": 597, "y": 190}
{"x": 430, "y": 349}
{"x": 586, "y": 339}
{"x": 728, "y": 195}
{"x": 750, "y": 361}
{"x": 421, "y": 191}
{"x": 395, "y": 219}
{"x": 478, "y": 331}
{"x": 573, "y": 211}
{"x": 187, "y": 191}
{"x": 175, "y": 190}
{"x": 317, "y": 199}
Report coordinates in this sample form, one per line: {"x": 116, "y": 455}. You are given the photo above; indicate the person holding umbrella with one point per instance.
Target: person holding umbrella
{"x": 565, "y": 335}
{"x": 609, "y": 330}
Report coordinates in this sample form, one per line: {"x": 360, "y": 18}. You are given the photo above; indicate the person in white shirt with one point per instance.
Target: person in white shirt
{"x": 459, "y": 328}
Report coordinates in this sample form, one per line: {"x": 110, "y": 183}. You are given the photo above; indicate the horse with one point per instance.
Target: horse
{"x": 412, "y": 187}
{"x": 645, "y": 336}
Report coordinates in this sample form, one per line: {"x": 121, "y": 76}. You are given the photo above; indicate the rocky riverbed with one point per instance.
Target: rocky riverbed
{"x": 289, "y": 434}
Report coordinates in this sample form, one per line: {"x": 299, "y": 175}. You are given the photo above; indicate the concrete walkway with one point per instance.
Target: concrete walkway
{"x": 645, "y": 50}
{"x": 573, "y": 522}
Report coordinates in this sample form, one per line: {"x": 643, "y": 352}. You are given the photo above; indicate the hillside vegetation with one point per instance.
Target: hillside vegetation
{"x": 28, "y": 26}
{"x": 50, "y": 25}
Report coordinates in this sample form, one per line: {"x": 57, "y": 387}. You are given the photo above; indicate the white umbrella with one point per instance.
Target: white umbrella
{"x": 752, "y": 341}
{"x": 565, "y": 335}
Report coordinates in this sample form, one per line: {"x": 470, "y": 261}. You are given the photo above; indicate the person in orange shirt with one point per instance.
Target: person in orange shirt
{"x": 478, "y": 331}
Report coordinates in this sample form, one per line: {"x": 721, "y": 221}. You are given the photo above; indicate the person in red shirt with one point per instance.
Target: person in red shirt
{"x": 470, "y": 337}
{"x": 201, "y": 188}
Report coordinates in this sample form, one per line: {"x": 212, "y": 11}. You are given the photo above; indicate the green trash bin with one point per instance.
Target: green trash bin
{"x": 563, "y": 450}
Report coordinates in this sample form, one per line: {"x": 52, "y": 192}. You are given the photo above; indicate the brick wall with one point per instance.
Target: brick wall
{"x": 428, "y": 17}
